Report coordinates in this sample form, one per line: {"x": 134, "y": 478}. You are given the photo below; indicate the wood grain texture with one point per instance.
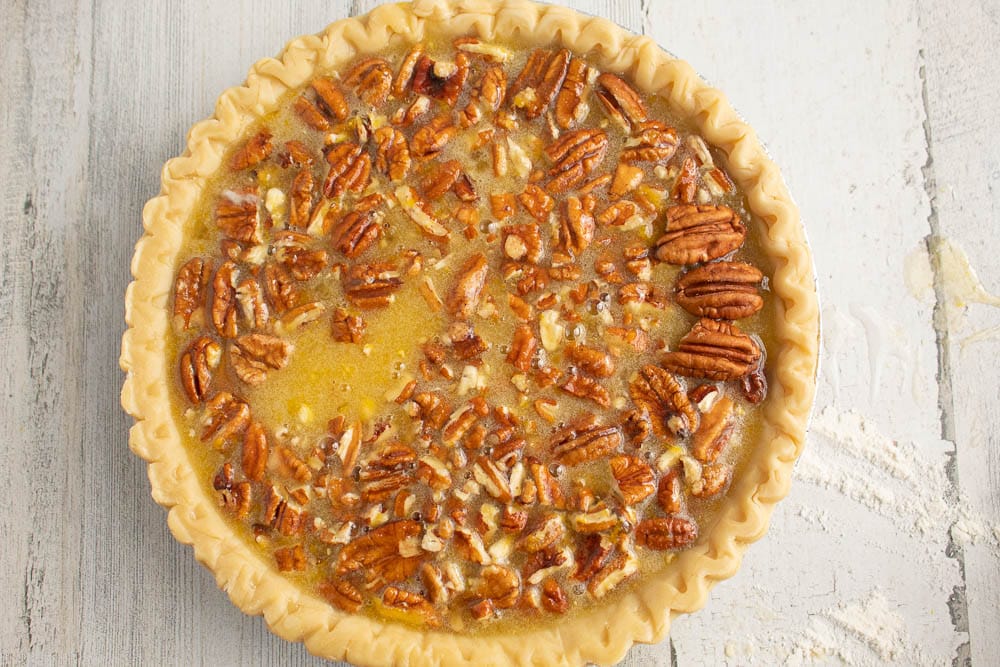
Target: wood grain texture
{"x": 883, "y": 120}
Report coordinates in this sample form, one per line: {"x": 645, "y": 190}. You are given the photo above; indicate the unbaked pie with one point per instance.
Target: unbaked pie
{"x": 470, "y": 332}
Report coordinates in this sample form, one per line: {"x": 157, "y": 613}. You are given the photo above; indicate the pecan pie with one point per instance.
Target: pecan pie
{"x": 474, "y": 339}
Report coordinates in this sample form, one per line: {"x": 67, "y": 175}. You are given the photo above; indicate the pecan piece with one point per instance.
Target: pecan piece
{"x": 347, "y": 328}
{"x": 670, "y": 492}
{"x": 293, "y": 253}
{"x": 522, "y": 348}
{"x": 253, "y": 152}
{"x": 401, "y": 84}
{"x": 290, "y": 559}
{"x": 523, "y": 242}
{"x": 255, "y": 452}
{"x": 753, "y": 386}
{"x": 548, "y": 531}
{"x": 659, "y": 395}
{"x": 226, "y": 416}
{"x": 224, "y": 300}
{"x": 197, "y": 363}
{"x": 190, "y": 289}
{"x": 654, "y": 142}
{"x": 591, "y": 360}
{"x": 575, "y": 155}
{"x": 311, "y": 114}
{"x": 714, "y": 479}
{"x": 350, "y": 170}
{"x": 253, "y": 355}
{"x": 713, "y": 350}
{"x": 721, "y": 290}
{"x": 686, "y": 185}
{"x": 576, "y": 228}
{"x": 296, "y": 154}
{"x": 499, "y": 584}
{"x": 661, "y": 534}
{"x": 392, "y": 154}
{"x": 490, "y": 93}
{"x": 387, "y": 472}
{"x": 279, "y": 288}
{"x": 379, "y": 554}
{"x": 614, "y": 572}
{"x": 585, "y": 439}
{"x": 713, "y": 434}
{"x": 330, "y": 98}
{"x": 371, "y": 285}
{"x": 623, "y": 104}
{"x": 571, "y": 108}
{"x": 341, "y": 594}
{"x": 360, "y": 228}
{"x": 448, "y": 176}
{"x": 585, "y": 387}
{"x": 536, "y": 86}
{"x": 537, "y": 202}
{"x": 302, "y": 199}
{"x": 413, "y": 605}
{"x": 464, "y": 297}
{"x": 554, "y": 597}
{"x": 371, "y": 79}
{"x": 592, "y": 553}
{"x": 634, "y": 478}
{"x": 440, "y": 79}
{"x": 697, "y": 234}
{"x": 236, "y": 214}
{"x": 431, "y": 139}
{"x": 280, "y": 515}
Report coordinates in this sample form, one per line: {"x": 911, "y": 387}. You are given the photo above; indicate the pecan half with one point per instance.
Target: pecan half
{"x": 289, "y": 559}
{"x": 697, "y": 234}
{"x": 387, "y": 472}
{"x": 330, "y": 98}
{"x": 255, "y": 452}
{"x": 226, "y": 416}
{"x": 236, "y": 214}
{"x": 440, "y": 79}
{"x": 371, "y": 79}
{"x": 575, "y": 155}
{"x": 713, "y": 350}
{"x": 280, "y": 515}
{"x": 360, "y": 228}
{"x": 654, "y": 141}
{"x": 499, "y": 584}
{"x": 347, "y": 328}
{"x": 585, "y": 439}
{"x": 720, "y": 290}
{"x": 571, "y": 107}
{"x": 279, "y": 288}
{"x": 634, "y": 478}
{"x": 623, "y": 104}
{"x": 576, "y": 228}
{"x": 713, "y": 434}
{"x": 302, "y": 199}
{"x": 350, "y": 170}
{"x": 293, "y": 252}
{"x": 537, "y": 202}
{"x": 224, "y": 300}
{"x": 371, "y": 285}
{"x": 311, "y": 114}
{"x": 401, "y": 84}
{"x": 190, "y": 289}
{"x": 342, "y": 594}
{"x": 253, "y": 355}
{"x": 591, "y": 360}
{"x": 661, "y": 534}
{"x": 197, "y": 363}
{"x": 536, "y": 86}
{"x": 378, "y": 553}
{"x": 522, "y": 348}
{"x": 658, "y": 394}
{"x": 592, "y": 553}
{"x": 253, "y": 152}
{"x": 392, "y": 154}
{"x": 430, "y": 140}
{"x": 464, "y": 296}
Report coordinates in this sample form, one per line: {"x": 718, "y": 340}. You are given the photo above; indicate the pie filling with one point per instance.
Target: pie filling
{"x": 455, "y": 334}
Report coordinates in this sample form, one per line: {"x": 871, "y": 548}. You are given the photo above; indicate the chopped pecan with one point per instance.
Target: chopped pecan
{"x": 360, "y": 228}
{"x": 392, "y": 154}
{"x": 714, "y": 479}
{"x": 699, "y": 234}
{"x": 255, "y": 452}
{"x": 290, "y": 559}
{"x": 236, "y": 214}
{"x": 301, "y": 315}
{"x": 430, "y": 140}
{"x": 224, "y": 300}
{"x": 713, "y": 434}
{"x": 236, "y": 498}
{"x": 591, "y": 360}
{"x": 302, "y": 199}
{"x": 503, "y": 205}
{"x": 585, "y": 387}
{"x": 387, "y": 472}
{"x": 670, "y": 492}
{"x": 292, "y": 251}
{"x": 575, "y": 155}
{"x": 279, "y": 288}
{"x": 522, "y": 348}
{"x": 537, "y": 202}
{"x": 661, "y": 534}
{"x": 713, "y": 350}
{"x": 330, "y": 98}
{"x": 440, "y": 79}
{"x": 753, "y": 386}
{"x": 721, "y": 290}
{"x": 350, "y": 170}
{"x": 592, "y": 553}
{"x": 627, "y": 178}
{"x": 576, "y": 228}
{"x": 448, "y": 176}
{"x": 523, "y": 242}
{"x": 342, "y": 594}
{"x": 347, "y": 328}
{"x": 686, "y": 185}
{"x": 371, "y": 79}
{"x": 499, "y": 584}
{"x": 615, "y": 571}
{"x": 585, "y": 439}
{"x": 371, "y": 285}
{"x": 197, "y": 363}
{"x": 401, "y": 84}
{"x": 538, "y": 83}
{"x": 554, "y": 597}
{"x": 492, "y": 478}
{"x": 253, "y": 152}
{"x": 466, "y": 343}
{"x": 634, "y": 477}
{"x": 620, "y": 213}
{"x": 407, "y": 116}
{"x": 464, "y": 296}
{"x": 490, "y": 94}
{"x": 658, "y": 394}
{"x": 280, "y": 515}
{"x": 190, "y": 289}
{"x": 227, "y": 416}
{"x": 623, "y": 104}
{"x": 654, "y": 142}
{"x": 643, "y": 292}
{"x": 513, "y": 521}
{"x": 381, "y": 553}
{"x": 296, "y": 154}
{"x": 252, "y": 355}
{"x": 549, "y": 530}
{"x": 571, "y": 107}
{"x": 412, "y": 604}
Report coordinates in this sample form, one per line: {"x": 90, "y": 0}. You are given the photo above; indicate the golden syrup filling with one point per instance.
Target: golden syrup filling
{"x": 456, "y": 335}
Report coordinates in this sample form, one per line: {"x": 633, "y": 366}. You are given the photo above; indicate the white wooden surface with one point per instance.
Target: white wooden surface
{"x": 883, "y": 116}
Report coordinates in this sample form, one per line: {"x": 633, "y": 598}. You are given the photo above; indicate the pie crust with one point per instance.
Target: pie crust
{"x": 603, "y": 632}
